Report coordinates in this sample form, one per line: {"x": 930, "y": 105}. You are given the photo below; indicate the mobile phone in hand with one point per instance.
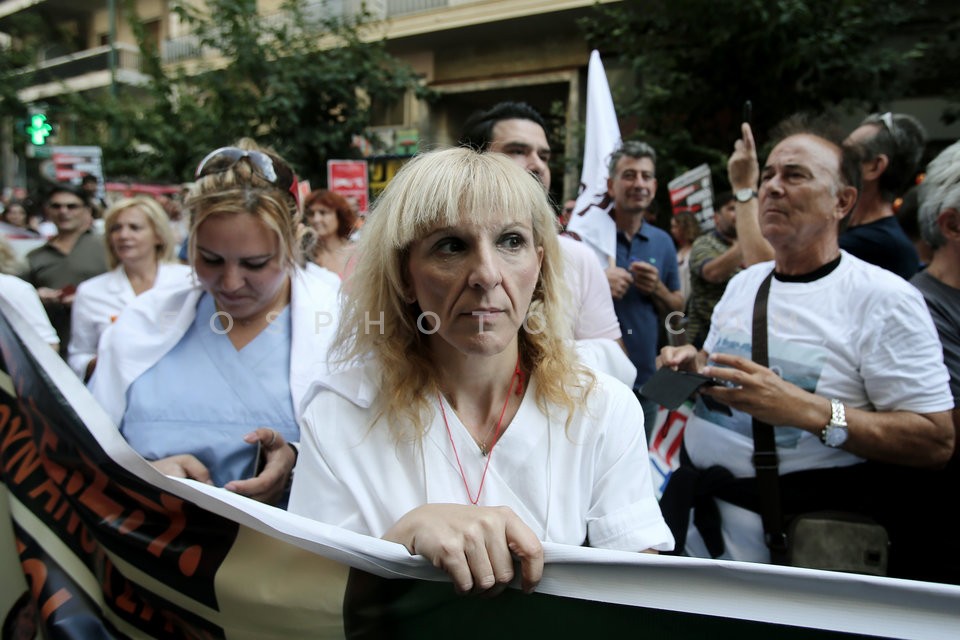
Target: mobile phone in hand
{"x": 747, "y": 112}
{"x": 671, "y": 388}
{"x": 703, "y": 381}
{"x": 259, "y": 460}
{"x": 709, "y": 402}
{"x": 68, "y": 290}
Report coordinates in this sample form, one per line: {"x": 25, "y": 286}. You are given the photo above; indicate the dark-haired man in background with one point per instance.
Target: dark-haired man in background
{"x": 891, "y": 145}
{"x": 515, "y": 129}
{"x": 519, "y": 131}
{"x": 73, "y": 255}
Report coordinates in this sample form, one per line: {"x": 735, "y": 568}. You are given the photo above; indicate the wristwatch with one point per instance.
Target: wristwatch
{"x": 745, "y": 195}
{"x": 836, "y": 432}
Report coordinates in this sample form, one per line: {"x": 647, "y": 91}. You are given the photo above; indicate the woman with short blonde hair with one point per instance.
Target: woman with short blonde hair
{"x": 139, "y": 251}
{"x": 154, "y": 215}
{"x": 437, "y": 202}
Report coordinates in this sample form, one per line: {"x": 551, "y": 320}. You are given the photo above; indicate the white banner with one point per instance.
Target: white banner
{"x": 110, "y": 547}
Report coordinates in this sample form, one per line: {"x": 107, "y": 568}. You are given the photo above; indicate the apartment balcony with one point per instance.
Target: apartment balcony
{"x": 59, "y": 9}
{"x": 187, "y": 47}
{"x": 83, "y": 71}
{"x": 403, "y": 18}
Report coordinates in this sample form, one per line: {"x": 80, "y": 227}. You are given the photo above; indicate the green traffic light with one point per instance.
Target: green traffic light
{"x": 39, "y": 129}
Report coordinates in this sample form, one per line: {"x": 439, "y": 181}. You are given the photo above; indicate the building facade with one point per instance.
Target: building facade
{"x": 472, "y": 53}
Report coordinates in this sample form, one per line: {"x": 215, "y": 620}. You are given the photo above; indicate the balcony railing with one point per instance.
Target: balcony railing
{"x": 188, "y": 47}
{"x": 318, "y": 10}
{"x": 183, "y": 48}
{"x": 405, "y": 7}
{"x": 63, "y": 68}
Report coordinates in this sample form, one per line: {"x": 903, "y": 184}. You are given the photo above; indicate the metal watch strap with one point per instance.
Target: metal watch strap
{"x": 838, "y": 419}
{"x": 837, "y": 413}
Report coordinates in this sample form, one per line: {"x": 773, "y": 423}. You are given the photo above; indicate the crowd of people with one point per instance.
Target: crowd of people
{"x": 476, "y": 385}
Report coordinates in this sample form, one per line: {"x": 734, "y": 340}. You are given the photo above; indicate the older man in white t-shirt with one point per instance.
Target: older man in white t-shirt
{"x": 855, "y": 368}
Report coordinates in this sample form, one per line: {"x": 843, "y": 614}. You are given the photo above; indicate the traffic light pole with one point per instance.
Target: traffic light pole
{"x": 112, "y": 37}
{"x": 10, "y": 161}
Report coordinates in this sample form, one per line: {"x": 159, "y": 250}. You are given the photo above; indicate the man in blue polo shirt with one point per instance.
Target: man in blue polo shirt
{"x": 645, "y": 282}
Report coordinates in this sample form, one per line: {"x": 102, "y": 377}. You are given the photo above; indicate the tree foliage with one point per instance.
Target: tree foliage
{"x": 27, "y": 34}
{"x": 300, "y": 82}
{"x": 694, "y": 62}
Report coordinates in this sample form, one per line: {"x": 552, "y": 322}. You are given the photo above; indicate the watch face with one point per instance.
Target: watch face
{"x": 745, "y": 195}
{"x": 835, "y": 436}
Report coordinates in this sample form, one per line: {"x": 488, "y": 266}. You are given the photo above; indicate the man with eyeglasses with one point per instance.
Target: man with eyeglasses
{"x": 73, "y": 255}
{"x": 891, "y": 145}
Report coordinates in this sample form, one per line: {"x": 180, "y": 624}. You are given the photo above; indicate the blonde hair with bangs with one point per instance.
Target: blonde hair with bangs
{"x": 241, "y": 189}
{"x": 157, "y": 218}
{"x": 436, "y": 190}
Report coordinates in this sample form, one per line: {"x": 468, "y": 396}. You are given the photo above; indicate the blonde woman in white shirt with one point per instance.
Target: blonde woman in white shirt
{"x": 464, "y": 426}
{"x": 140, "y": 248}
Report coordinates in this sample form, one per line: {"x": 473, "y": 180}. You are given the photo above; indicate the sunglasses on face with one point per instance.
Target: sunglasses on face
{"x": 270, "y": 169}
{"x": 69, "y": 206}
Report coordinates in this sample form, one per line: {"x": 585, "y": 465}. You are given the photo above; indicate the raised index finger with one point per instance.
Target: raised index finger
{"x": 747, "y": 136}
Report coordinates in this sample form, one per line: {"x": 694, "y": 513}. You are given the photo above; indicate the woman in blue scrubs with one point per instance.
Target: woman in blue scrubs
{"x": 206, "y": 379}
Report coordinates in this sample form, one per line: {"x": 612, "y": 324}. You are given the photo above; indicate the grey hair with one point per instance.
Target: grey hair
{"x": 631, "y": 149}
{"x": 939, "y": 191}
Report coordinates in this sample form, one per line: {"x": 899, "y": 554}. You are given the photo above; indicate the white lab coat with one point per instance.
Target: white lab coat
{"x": 99, "y": 302}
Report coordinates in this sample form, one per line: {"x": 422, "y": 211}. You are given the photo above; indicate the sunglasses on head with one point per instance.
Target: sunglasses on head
{"x": 270, "y": 169}
{"x": 887, "y": 120}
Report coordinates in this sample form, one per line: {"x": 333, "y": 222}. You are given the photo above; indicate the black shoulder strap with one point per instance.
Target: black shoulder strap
{"x": 765, "y": 460}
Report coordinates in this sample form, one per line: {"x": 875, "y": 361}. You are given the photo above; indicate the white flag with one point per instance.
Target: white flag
{"x": 591, "y": 219}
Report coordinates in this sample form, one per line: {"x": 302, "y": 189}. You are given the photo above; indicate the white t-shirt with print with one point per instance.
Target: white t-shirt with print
{"x": 860, "y": 334}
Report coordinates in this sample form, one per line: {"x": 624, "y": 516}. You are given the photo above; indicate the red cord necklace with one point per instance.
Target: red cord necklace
{"x": 488, "y": 453}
